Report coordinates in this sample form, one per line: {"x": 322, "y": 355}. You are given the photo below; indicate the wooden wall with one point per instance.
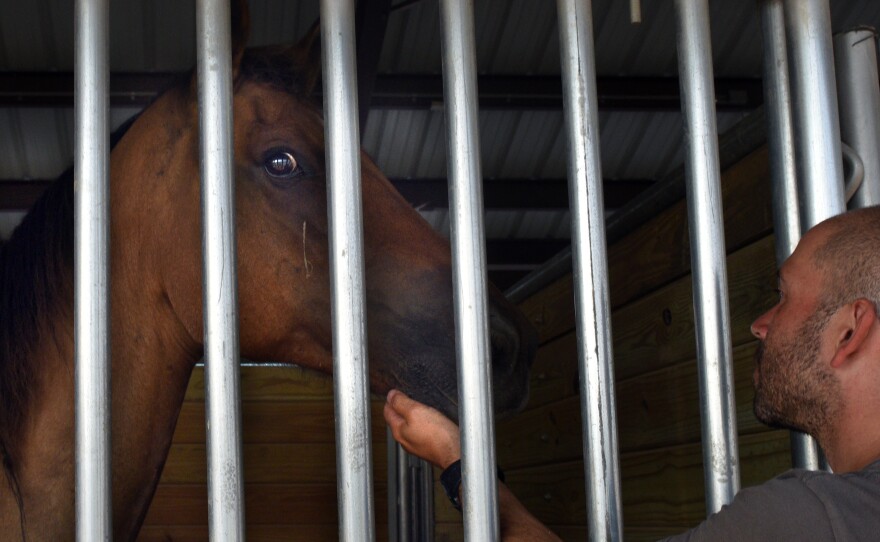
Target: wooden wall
{"x": 655, "y": 372}
{"x": 288, "y": 413}
{"x": 289, "y": 456}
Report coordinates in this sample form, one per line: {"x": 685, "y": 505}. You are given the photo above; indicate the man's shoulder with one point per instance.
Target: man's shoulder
{"x": 799, "y": 505}
{"x": 819, "y": 481}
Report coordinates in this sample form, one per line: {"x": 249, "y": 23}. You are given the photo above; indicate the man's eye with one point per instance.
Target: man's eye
{"x": 282, "y": 165}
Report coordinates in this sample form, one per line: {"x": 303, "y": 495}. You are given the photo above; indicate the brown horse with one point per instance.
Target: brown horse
{"x": 156, "y": 291}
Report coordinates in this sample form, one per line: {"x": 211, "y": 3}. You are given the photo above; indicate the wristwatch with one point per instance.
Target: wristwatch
{"x": 450, "y": 479}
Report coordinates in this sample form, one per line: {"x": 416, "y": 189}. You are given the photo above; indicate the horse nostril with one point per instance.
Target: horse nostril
{"x": 505, "y": 342}
{"x": 499, "y": 352}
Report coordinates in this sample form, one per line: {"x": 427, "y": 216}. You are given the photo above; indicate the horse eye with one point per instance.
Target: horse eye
{"x": 281, "y": 164}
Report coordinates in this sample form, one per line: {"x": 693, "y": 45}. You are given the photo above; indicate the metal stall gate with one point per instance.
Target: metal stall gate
{"x": 804, "y": 141}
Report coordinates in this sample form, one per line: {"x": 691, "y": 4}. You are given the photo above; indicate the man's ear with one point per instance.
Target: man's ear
{"x": 856, "y": 326}
{"x": 241, "y": 26}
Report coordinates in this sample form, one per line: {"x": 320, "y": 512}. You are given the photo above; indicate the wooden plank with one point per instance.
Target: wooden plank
{"x": 254, "y": 533}
{"x": 654, "y": 332}
{"x": 276, "y": 422}
{"x": 448, "y": 532}
{"x": 270, "y": 383}
{"x": 265, "y": 504}
{"x": 554, "y": 373}
{"x": 454, "y": 532}
{"x": 661, "y": 489}
{"x": 654, "y": 410}
{"x": 662, "y": 409}
{"x": 268, "y": 463}
{"x": 658, "y": 330}
{"x": 658, "y": 252}
{"x": 664, "y": 488}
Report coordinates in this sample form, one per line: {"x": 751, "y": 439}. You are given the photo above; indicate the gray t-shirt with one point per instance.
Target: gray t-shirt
{"x": 799, "y": 506}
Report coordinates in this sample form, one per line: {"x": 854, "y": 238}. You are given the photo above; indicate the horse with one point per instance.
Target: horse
{"x": 156, "y": 289}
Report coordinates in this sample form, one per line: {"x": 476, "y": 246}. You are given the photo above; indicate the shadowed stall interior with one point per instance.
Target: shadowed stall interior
{"x": 290, "y": 468}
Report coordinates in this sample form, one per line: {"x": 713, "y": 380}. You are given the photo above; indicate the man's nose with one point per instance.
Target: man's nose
{"x": 759, "y": 326}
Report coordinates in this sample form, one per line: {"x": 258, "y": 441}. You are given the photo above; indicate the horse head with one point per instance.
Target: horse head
{"x": 282, "y": 237}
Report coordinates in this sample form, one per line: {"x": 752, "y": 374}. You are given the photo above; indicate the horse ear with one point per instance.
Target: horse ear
{"x": 241, "y": 26}
{"x": 307, "y": 56}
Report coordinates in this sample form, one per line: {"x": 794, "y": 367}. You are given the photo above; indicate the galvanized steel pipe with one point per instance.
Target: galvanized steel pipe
{"x": 783, "y": 174}
{"x": 348, "y": 309}
{"x": 815, "y": 115}
{"x": 404, "y": 497}
{"x": 858, "y": 91}
{"x": 708, "y": 256}
{"x": 410, "y": 496}
{"x": 94, "y": 513}
{"x": 394, "y": 505}
{"x": 426, "y": 500}
{"x": 219, "y": 295}
{"x": 479, "y": 487}
{"x": 590, "y": 267}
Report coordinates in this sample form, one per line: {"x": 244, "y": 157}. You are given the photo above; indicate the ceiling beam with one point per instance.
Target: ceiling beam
{"x": 371, "y": 21}
{"x": 545, "y": 92}
{"x": 524, "y": 194}
{"x": 55, "y": 89}
{"x": 498, "y": 194}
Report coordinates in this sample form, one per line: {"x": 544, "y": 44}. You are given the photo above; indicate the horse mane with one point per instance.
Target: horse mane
{"x": 35, "y": 274}
{"x": 36, "y": 281}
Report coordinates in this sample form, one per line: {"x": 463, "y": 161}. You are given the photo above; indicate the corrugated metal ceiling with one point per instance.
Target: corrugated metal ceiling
{"x": 517, "y": 37}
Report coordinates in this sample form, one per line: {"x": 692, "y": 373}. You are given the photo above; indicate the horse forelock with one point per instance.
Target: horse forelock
{"x": 279, "y": 68}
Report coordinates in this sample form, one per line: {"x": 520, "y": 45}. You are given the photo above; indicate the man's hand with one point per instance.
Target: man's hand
{"x": 422, "y": 430}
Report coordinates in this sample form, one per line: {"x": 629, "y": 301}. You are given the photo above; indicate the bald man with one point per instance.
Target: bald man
{"x": 817, "y": 371}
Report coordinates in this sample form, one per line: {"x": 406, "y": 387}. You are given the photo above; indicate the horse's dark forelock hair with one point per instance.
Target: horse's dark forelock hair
{"x": 280, "y": 69}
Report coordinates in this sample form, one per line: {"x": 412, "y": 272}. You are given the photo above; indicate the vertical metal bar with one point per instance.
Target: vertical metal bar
{"x": 858, "y": 89}
{"x": 426, "y": 514}
{"x": 479, "y": 487}
{"x": 814, "y": 101}
{"x": 590, "y": 267}
{"x": 410, "y": 496}
{"x": 394, "y": 506}
{"x": 814, "y": 113}
{"x": 780, "y": 140}
{"x": 404, "y": 497}
{"x": 345, "y": 212}
{"x": 94, "y": 520}
{"x": 708, "y": 255}
{"x": 220, "y": 296}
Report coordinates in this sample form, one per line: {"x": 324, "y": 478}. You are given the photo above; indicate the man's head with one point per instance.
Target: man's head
{"x": 822, "y": 325}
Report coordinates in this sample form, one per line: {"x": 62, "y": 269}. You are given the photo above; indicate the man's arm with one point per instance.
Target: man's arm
{"x": 426, "y": 433}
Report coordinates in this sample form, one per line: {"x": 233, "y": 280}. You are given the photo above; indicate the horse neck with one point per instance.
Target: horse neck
{"x": 152, "y": 359}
